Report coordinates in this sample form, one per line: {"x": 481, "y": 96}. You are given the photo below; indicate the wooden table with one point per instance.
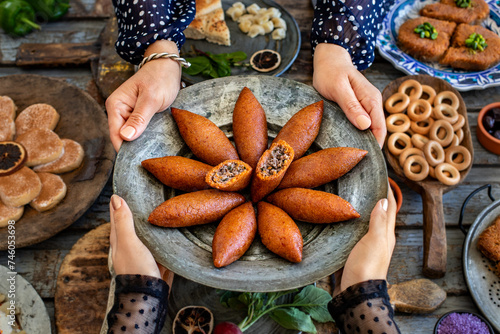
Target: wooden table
{"x": 40, "y": 263}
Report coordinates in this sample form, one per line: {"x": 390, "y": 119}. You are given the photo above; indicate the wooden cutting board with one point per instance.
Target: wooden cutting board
{"x": 83, "y": 284}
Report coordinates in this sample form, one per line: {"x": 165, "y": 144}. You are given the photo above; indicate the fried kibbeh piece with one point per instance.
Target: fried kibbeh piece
{"x": 196, "y": 208}
{"x": 7, "y": 127}
{"x": 489, "y": 241}
{"x": 230, "y": 175}
{"x": 234, "y": 235}
{"x": 53, "y": 192}
{"x": 448, "y": 10}
{"x": 460, "y": 56}
{"x": 8, "y": 107}
{"x": 204, "y": 138}
{"x": 71, "y": 159}
{"x": 278, "y": 232}
{"x": 8, "y": 213}
{"x": 321, "y": 167}
{"x": 313, "y": 206}
{"x": 249, "y": 128}
{"x": 302, "y": 128}
{"x": 42, "y": 146}
{"x": 425, "y": 49}
{"x": 270, "y": 169}
{"x": 20, "y": 188}
{"x": 40, "y": 115}
{"x": 178, "y": 172}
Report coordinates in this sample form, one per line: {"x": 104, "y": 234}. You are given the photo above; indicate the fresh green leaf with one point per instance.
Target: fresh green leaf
{"x": 311, "y": 295}
{"x": 198, "y": 65}
{"x": 236, "y": 56}
{"x": 293, "y": 318}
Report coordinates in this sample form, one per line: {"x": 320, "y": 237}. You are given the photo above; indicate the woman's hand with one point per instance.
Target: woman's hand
{"x": 336, "y": 79}
{"x": 150, "y": 90}
{"x": 129, "y": 254}
{"x": 371, "y": 256}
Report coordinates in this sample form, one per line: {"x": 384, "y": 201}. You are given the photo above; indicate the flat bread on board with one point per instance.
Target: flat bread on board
{"x": 209, "y": 23}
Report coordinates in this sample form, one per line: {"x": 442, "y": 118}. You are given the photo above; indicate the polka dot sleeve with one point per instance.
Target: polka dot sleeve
{"x": 364, "y": 308}
{"x": 142, "y": 22}
{"x": 352, "y": 24}
{"x": 140, "y": 305}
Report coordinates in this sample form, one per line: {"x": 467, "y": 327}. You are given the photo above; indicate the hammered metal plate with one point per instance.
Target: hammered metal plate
{"x": 187, "y": 251}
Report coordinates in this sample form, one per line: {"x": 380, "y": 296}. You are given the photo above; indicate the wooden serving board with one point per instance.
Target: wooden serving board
{"x": 83, "y": 284}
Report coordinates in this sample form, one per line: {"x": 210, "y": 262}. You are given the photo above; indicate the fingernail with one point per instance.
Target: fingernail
{"x": 116, "y": 202}
{"x": 363, "y": 122}
{"x": 127, "y": 132}
{"x": 385, "y": 203}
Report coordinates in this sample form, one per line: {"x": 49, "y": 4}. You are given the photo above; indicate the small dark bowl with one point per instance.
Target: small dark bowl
{"x": 462, "y": 312}
{"x": 487, "y": 140}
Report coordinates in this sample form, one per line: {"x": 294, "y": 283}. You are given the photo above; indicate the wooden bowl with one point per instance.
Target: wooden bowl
{"x": 431, "y": 190}
{"x": 487, "y": 140}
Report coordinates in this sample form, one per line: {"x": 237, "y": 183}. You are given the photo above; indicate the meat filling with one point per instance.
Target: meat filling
{"x": 275, "y": 162}
{"x": 228, "y": 172}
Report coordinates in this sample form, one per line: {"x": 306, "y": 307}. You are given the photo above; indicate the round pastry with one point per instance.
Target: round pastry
{"x": 414, "y": 87}
{"x": 53, "y": 191}
{"x": 20, "y": 188}
{"x": 397, "y": 103}
{"x": 448, "y": 135}
{"x": 431, "y": 93}
{"x": 42, "y": 145}
{"x": 411, "y": 173}
{"x": 7, "y": 107}
{"x": 459, "y": 157}
{"x": 419, "y": 141}
{"x": 39, "y": 115}
{"x": 8, "y": 213}
{"x": 419, "y": 110}
{"x": 398, "y": 123}
{"x": 434, "y": 153}
{"x": 459, "y": 123}
{"x": 447, "y": 95}
{"x": 447, "y": 174}
{"x": 398, "y": 142}
{"x": 71, "y": 159}
{"x": 446, "y": 112}
{"x": 422, "y": 127}
{"x": 7, "y": 127}
{"x": 409, "y": 152}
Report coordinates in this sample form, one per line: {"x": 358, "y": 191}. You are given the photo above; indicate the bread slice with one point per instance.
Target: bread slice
{"x": 7, "y": 127}
{"x": 71, "y": 159}
{"x": 53, "y": 191}
{"x": 460, "y": 56}
{"x": 209, "y": 23}
{"x": 42, "y": 145}
{"x": 38, "y": 115}
{"x": 425, "y": 49}
{"x": 20, "y": 188}
{"x": 8, "y": 213}
{"x": 7, "y": 107}
{"x": 448, "y": 10}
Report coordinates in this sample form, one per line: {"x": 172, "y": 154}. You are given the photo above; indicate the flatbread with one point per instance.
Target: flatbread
{"x": 209, "y": 23}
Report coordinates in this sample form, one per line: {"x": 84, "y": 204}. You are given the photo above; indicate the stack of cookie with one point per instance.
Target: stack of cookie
{"x": 31, "y": 156}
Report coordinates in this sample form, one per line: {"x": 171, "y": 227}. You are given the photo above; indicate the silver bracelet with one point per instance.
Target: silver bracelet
{"x": 172, "y": 56}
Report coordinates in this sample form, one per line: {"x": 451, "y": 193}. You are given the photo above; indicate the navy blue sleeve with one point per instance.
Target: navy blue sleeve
{"x": 352, "y": 24}
{"x": 143, "y": 22}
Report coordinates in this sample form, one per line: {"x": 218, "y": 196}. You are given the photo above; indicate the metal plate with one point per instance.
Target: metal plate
{"x": 33, "y": 317}
{"x": 462, "y": 80}
{"x": 187, "y": 251}
{"x": 82, "y": 120}
{"x": 186, "y": 293}
{"x": 482, "y": 282}
{"x": 288, "y": 47}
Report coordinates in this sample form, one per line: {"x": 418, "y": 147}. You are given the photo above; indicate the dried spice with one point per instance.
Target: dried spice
{"x": 12, "y": 157}
{"x": 265, "y": 60}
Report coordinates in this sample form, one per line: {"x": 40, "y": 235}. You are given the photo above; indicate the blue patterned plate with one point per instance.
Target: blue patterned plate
{"x": 461, "y": 80}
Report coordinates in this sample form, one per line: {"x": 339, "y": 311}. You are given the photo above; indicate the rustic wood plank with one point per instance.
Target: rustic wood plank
{"x": 84, "y": 31}
{"x": 90, "y": 9}
{"x": 56, "y": 54}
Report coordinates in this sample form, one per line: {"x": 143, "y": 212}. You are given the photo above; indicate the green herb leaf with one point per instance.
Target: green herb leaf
{"x": 214, "y": 65}
{"x": 293, "y": 318}
{"x": 198, "y": 65}
{"x": 314, "y": 301}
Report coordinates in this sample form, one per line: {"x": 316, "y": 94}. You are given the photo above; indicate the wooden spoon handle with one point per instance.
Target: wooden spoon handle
{"x": 434, "y": 232}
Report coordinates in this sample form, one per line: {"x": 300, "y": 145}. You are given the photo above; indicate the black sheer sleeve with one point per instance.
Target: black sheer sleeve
{"x": 140, "y": 305}
{"x": 364, "y": 308}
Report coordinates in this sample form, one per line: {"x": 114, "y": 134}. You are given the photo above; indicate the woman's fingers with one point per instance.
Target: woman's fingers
{"x": 145, "y": 107}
